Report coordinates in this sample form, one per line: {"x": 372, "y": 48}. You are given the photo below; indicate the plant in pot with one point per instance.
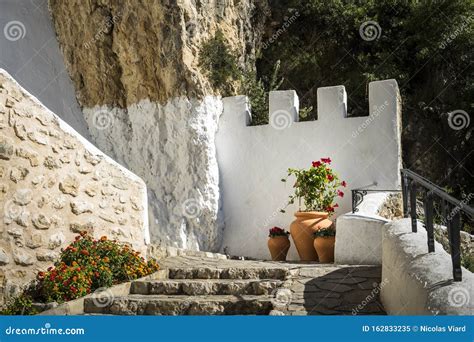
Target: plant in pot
{"x": 278, "y": 243}
{"x": 324, "y": 241}
{"x": 316, "y": 187}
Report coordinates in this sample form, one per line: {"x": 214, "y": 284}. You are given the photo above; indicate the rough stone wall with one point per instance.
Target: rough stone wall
{"x": 54, "y": 184}
{"x": 135, "y": 68}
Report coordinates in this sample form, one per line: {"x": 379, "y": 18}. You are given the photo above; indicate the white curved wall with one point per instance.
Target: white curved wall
{"x": 418, "y": 282}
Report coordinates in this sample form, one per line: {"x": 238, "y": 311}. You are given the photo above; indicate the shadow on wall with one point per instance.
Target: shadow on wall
{"x": 30, "y": 53}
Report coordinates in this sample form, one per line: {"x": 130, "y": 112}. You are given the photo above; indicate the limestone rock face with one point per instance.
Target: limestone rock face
{"x": 121, "y": 52}
{"x": 148, "y": 104}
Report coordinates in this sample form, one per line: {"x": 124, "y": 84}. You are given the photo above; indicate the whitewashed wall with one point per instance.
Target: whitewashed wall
{"x": 253, "y": 159}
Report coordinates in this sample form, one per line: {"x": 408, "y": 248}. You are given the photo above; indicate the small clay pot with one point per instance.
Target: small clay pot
{"x": 302, "y": 229}
{"x": 279, "y": 246}
{"x": 324, "y": 246}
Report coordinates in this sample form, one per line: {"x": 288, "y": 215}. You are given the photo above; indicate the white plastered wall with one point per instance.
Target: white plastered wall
{"x": 253, "y": 159}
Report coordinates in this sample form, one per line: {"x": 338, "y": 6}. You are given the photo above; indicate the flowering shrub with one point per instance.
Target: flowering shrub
{"x": 277, "y": 231}
{"x": 87, "y": 264}
{"x": 317, "y": 186}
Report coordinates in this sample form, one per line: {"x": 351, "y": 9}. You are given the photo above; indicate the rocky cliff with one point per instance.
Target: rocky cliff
{"x": 147, "y": 103}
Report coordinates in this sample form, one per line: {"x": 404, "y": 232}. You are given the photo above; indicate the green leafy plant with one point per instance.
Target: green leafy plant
{"x": 277, "y": 231}
{"x": 325, "y": 232}
{"x": 317, "y": 186}
{"x": 21, "y": 305}
{"x": 257, "y": 90}
{"x": 219, "y": 63}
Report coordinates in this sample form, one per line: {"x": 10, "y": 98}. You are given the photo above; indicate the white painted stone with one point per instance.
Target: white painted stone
{"x": 172, "y": 148}
{"x": 252, "y": 160}
{"x": 418, "y": 282}
{"x": 359, "y": 235}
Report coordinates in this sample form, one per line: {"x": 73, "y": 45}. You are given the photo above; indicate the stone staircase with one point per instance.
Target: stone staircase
{"x": 198, "y": 291}
{"x": 199, "y": 285}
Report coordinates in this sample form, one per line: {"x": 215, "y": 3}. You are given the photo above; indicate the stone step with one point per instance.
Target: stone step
{"x": 199, "y": 287}
{"x": 180, "y": 305}
{"x": 228, "y": 273}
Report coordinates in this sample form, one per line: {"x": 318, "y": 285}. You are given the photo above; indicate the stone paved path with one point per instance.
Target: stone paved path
{"x": 212, "y": 286}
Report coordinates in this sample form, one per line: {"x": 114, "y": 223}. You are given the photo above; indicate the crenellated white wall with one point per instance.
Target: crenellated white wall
{"x": 253, "y": 159}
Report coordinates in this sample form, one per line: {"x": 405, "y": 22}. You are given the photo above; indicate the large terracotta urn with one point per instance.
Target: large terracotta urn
{"x": 279, "y": 246}
{"x": 302, "y": 229}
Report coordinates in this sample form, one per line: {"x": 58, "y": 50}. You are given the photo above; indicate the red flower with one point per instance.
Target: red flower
{"x": 340, "y": 193}
{"x": 326, "y": 160}
{"x": 330, "y": 209}
{"x": 344, "y": 184}
{"x": 316, "y": 163}
{"x": 330, "y": 178}
{"x": 336, "y": 205}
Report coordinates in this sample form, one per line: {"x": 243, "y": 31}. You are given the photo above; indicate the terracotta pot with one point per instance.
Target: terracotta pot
{"x": 324, "y": 246}
{"x": 302, "y": 229}
{"x": 279, "y": 246}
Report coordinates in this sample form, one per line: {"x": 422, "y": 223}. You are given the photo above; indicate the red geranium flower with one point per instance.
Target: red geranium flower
{"x": 344, "y": 184}
{"x": 340, "y": 193}
{"x": 336, "y": 205}
{"x": 326, "y": 160}
{"x": 330, "y": 178}
{"x": 330, "y": 209}
{"x": 316, "y": 163}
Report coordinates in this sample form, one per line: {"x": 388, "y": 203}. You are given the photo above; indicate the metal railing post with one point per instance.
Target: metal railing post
{"x": 405, "y": 194}
{"x": 429, "y": 220}
{"x": 454, "y": 227}
{"x": 413, "y": 206}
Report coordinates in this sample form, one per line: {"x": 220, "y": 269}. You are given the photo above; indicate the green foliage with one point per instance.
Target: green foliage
{"x": 325, "y": 232}
{"x": 257, "y": 90}
{"x": 21, "y": 305}
{"x": 467, "y": 261}
{"x": 427, "y": 46}
{"x": 219, "y": 63}
{"x": 317, "y": 186}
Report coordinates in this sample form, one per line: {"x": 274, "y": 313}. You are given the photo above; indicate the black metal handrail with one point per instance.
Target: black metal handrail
{"x": 359, "y": 193}
{"x": 450, "y": 208}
